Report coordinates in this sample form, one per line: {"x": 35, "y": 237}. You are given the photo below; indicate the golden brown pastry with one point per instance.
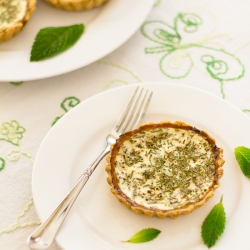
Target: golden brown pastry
{"x": 14, "y": 14}
{"x": 76, "y": 5}
{"x": 164, "y": 169}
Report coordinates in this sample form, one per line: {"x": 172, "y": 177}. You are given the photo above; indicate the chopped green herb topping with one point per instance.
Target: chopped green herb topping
{"x": 166, "y": 167}
{"x": 10, "y": 10}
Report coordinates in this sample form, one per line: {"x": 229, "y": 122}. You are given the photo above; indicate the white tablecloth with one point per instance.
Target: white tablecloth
{"x": 203, "y": 44}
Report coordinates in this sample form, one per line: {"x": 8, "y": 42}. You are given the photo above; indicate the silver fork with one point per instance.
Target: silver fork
{"x": 44, "y": 235}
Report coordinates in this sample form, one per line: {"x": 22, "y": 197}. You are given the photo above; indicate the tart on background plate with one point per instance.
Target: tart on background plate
{"x": 164, "y": 169}
{"x": 14, "y": 14}
{"x": 76, "y": 5}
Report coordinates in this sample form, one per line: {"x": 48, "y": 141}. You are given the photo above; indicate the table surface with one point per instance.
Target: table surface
{"x": 210, "y": 50}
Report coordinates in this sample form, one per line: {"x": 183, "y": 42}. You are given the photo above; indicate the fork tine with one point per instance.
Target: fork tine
{"x": 130, "y": 114}
{"x": 44, "y": 235}
{"x": 142, "y": 109}
{"x": 126, "y": 112}
{"x": 139, "y": 111}
{"x": 135, "y": 109}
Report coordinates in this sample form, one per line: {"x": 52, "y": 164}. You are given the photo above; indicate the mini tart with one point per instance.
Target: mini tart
{"x": 76, "y": 5}
{"x": 14, "y": 14}
{"x": 164, "y": 169}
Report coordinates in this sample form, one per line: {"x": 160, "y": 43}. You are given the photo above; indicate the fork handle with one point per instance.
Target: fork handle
{"x": 44, "y": 235}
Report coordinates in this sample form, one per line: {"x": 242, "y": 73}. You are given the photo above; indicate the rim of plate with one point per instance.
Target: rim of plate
{"x": 58, "y": 128}
{"x": 18, "y": 61}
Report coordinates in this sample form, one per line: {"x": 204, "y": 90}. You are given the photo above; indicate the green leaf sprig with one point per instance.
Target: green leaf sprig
{"x": 52, "y": 41}
{"x": 144, "y": 235}
{"x": 16, "y": 83}
{"x": 242, "y": 155}
{"x": 214, "y": 225}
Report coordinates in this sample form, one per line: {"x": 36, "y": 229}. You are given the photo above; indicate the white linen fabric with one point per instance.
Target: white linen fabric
{"x": 203, "y": 44}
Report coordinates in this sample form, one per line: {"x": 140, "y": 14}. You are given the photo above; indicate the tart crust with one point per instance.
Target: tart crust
{"x": 152, "y": 211}
{"x": 76, "y": 5}
{"x": 16, "y": 27}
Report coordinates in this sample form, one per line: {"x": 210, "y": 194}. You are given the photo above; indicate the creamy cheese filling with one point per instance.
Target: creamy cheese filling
{"x": 11, "y": 11}
{"x": 165, "y": 168}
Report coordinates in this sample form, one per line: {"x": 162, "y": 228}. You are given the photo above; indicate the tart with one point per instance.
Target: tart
{"x": 14, "y": 14}
{"x": 164, "y": 169}
{"x": 76, "y": 5}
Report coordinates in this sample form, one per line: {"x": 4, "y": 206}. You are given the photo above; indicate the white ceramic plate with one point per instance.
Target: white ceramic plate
{"x": 98, "y": 220}
{"x": 106, "y": 28}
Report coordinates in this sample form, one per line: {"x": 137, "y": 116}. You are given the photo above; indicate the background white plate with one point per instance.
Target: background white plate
{"x": 99, "y": 220}
{"x": 106, "y": 28}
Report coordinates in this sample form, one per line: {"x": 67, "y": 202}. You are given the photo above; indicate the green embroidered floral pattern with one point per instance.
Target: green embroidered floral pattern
{"x": 55, "y": 121}
{"x": 119, "y": 81}
{"x": 17, "y": 224}
{"x": 246, "y": 110}
{"x": 157, "y": 3}
{"x": 2, "y": 163}
{"x": 14, "y": 154}
{"x": 11, "y": 132}
{"x": 111, "y": 82}
{"x": 182, "y": 52}
{"x": 67, "y": 104}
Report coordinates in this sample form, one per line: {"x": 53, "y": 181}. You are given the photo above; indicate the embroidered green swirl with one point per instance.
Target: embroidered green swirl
{"x": 14, "y": 154}
{"x": 182, "y": 54}
{"x": 113, "y": 81}
{"x": 67, "y": 104}
{"x": 56, "y": 119}
{"x": 17, "y": 224}
{"x": 192, "y": 22}
{"x": 157, "y": 3}
{"x": 2, "y": 163}
{"x": 121, "y": 67}
{"x": 214, "y": 67}
{"x": 108, "y": 84}
{"x": 12, "y": 132}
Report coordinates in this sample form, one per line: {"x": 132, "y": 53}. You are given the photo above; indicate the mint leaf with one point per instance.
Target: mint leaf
{"x": 144, "y": 235}
{"x": 52, "y": 41}
{"x": 214, "y": 225}
{"x": 242, "y": 155}
{"x": 16, "y": 83}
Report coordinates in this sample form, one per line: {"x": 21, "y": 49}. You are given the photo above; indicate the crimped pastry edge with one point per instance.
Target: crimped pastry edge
{"x": 175, "y": 212}
{"x": 76, "y": 5}
{"x": 12, "y": 31}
